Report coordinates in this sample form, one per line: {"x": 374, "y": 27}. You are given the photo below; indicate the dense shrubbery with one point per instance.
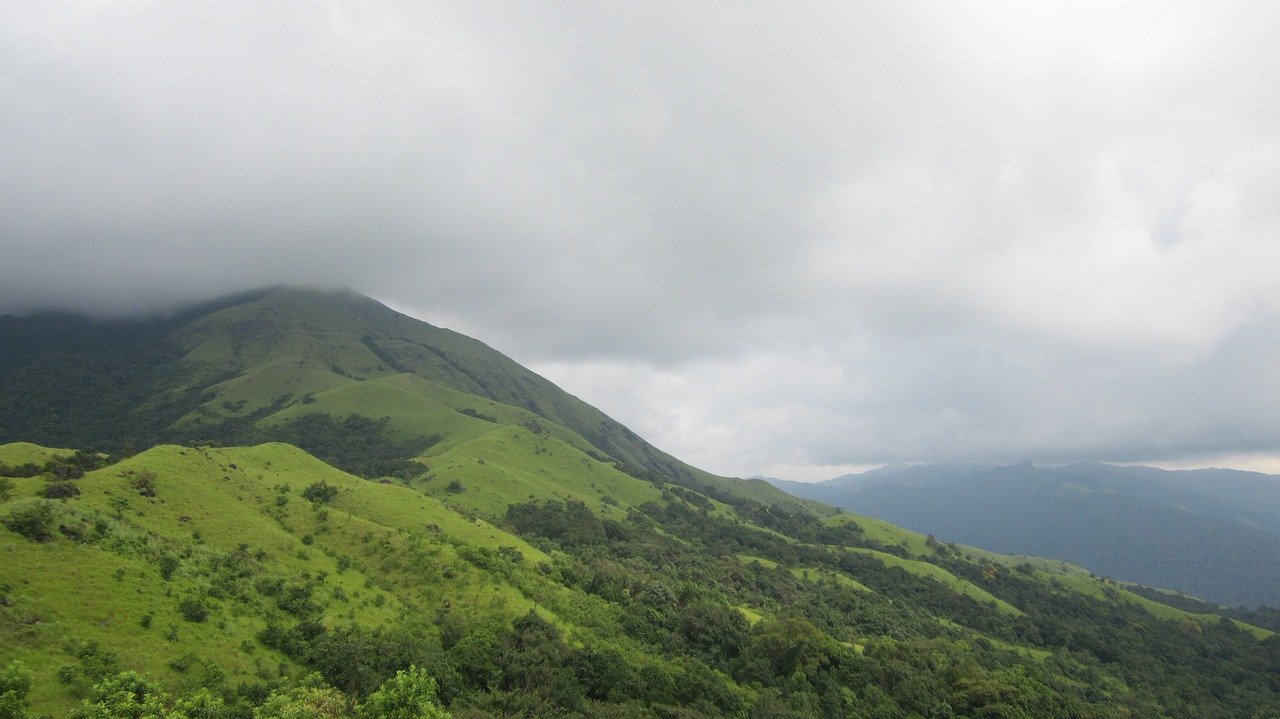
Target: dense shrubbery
{"x": 320, "y": 492}
{"x": 34, "y": 521}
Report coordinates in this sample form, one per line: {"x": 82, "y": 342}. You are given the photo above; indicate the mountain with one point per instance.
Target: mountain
{"x": 1211, "y": 533}
{"x": 251, "y": 367}
{"x": 292, "y": 503}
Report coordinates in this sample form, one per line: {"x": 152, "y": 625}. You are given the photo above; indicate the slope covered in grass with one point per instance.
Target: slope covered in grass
{"x": 553, "y": 584}
{"x": 250, "y": 369}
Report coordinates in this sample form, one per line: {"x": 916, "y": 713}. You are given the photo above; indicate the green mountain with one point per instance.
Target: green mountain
{"x": 302, "y": 504}
{"x": 1211, "y": 533}
{"x": 268, "y": 364}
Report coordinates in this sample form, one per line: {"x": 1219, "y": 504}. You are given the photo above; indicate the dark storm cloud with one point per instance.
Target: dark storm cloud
{"x": 765, "y": 236}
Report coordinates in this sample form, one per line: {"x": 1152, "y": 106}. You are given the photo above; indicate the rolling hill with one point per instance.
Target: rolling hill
{"x": 271, "y": 505}
{"x": 1211, "y": 533}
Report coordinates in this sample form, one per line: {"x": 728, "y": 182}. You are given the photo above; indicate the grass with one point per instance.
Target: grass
{"x": 808, "y": 574}
{"x": 1101, "y": 589}
{"x": 510, "y": 465}
{"x": 376, "y": 552}
{"x": 19, "y": 453}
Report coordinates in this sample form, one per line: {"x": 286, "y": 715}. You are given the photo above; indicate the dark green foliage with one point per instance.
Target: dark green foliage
{"x": 168, "y": 564}
{"x": 30, "y": 469}
{"x": 86, "y": 398}
{"x": 320, "y": 492}
{"x": 194, "y": 609}
{"x": 357, "y": 444}
{"x": 145, "y": 482}
{"x": 76, "y": 465}
{"x": 33, "y": 521}
{"x": 476, "y": 414}
{"x": 569, "y": 523}
{"x": 1266, "y": 617}
{"x": 61, "y": 489}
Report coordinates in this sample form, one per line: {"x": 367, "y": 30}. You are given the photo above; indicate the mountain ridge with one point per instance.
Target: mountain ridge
{"x": 240, "y": 361}
{"x": 1210, "y": 533}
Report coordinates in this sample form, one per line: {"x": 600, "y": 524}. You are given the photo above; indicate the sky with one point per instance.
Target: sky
{"x": 783, "y": 239}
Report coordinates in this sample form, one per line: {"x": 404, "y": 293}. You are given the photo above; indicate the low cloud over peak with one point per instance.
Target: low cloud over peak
{"x": 838, "y": 234}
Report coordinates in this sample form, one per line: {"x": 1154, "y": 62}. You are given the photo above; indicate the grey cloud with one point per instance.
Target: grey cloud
{"x": 832, "y": 234}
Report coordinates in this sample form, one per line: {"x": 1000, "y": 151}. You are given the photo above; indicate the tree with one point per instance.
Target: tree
{"x": 320, "y": 492}
{"x": 204, "y": 704}
{"x": 35, "y": 521}
{"x": 410, "y": 694}
{"x": 127, "y": 695}
{"x": 313, "y": 701}
{"x": 15, "y": 684}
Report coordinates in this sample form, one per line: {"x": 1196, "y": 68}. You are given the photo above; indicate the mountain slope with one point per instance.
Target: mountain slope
{"x": 236, "y": 370}
{"x": 222, "y": 568}
{"x": 1213, "y": 534}
{"x": 495, "y": 545}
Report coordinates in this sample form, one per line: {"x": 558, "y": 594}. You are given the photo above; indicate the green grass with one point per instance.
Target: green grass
{"x": 511, "y": 465}
{"x": 808, "y": 574}
{"x": 1101, "y": 589}
{"x": 407, "y": 553}
{"x": 19, "y": 453}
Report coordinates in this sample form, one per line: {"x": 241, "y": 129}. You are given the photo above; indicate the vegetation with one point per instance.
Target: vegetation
{"x": 680, "y": 605}
{"x": 1213, "y": 534}
{"x": 533, "y": 560}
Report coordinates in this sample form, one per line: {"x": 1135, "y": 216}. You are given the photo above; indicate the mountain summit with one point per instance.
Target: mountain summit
{"x": 251, "y": 367}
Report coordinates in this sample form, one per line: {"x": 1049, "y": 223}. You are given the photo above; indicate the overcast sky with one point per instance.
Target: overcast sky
{"x": 775, "y": 238}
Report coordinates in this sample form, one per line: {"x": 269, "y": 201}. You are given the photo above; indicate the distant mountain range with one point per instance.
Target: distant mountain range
{"x": 1213, "y": 533}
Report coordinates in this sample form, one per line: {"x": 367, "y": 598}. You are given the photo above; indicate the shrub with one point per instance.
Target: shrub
{"x": 60, "y": 489}
{"x": 193, "y": 609}
{"x": 15, "y": 684}
{"x": 409, "y": 694}
{"x": 168, "y": 565}
{"x": 184, "y": 662}
{"x": 35, "y": 521}
{"x": 24, "y": 470}
{"x": 320, "y": 492}
{"x": 145, "y": 482}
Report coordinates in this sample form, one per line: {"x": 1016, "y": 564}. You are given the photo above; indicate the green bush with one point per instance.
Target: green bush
{"x": 320, "y": 492}
{"x": 61, "y": 489}
{"x": 410, "y": 694}
{"x": 15, "y": 684}
{"x": 193, "y": 609}
{"x": 34, "y": 521}
{"x": 145, "y": 482}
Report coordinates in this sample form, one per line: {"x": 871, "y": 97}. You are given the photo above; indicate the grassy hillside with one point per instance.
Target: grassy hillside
{"x": 249, "y": 369}
{"x": 329, "y": 493}
{"x": 240, "y": 569}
